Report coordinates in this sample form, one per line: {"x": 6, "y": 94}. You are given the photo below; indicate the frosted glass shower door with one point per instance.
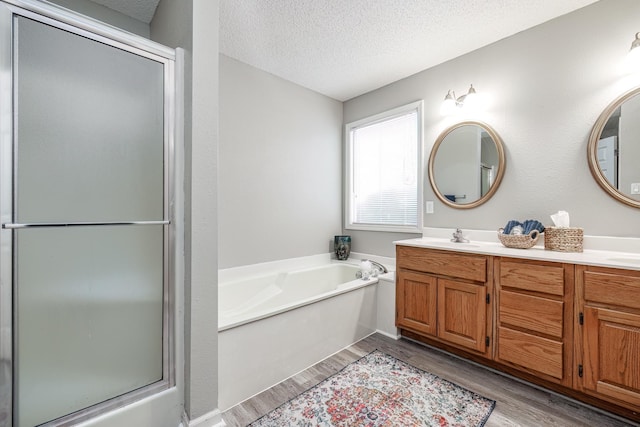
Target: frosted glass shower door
{"x": 89, "y": 222}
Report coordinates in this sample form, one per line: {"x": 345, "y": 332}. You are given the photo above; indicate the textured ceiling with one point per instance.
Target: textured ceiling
{"x": 344, "y": 48}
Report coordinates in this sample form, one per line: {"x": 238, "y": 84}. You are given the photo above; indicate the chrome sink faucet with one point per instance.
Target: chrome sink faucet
{"x": 458, "y": 237}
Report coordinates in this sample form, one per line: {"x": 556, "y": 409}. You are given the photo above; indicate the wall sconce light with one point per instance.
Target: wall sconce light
{"x": 633, "y": 57}
{"x": 467, "y": 101}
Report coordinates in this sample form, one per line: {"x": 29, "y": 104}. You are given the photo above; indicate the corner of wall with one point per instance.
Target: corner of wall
{"x": 211, "y": 419}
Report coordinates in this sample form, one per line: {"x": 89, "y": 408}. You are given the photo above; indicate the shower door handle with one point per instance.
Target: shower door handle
{"x": 16, "y": 226}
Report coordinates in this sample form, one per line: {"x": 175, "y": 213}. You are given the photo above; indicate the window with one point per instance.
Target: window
{"x": 384, "y": 171}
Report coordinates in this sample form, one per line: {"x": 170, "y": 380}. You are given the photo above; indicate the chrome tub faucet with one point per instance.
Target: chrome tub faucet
{"x": 376, "y": 269}
{"x": 381, "y": 268}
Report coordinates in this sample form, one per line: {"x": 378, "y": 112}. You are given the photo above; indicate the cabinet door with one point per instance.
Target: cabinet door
{"x": 462, "y": 313}
{"x": 416, "y": 302}
{"x": 612, "y": 354}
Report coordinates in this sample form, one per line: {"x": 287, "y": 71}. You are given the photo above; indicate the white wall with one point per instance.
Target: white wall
{"x": 543, "y": 88}
{"x": 280, "y": 167}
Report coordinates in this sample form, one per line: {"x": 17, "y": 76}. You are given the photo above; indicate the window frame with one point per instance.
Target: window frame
{"x": 349, "y": 224}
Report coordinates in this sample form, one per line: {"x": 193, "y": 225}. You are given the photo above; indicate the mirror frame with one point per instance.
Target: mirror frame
{"x": 592, "y": 149}
{"x": 502, "y": 163}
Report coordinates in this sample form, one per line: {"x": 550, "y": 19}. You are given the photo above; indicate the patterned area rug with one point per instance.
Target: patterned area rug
{"x": 379, "y": 390}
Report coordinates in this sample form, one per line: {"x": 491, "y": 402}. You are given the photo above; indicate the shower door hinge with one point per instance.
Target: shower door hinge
{"x": 581, "y": 318}
{"x": 580, "y": 371}
{"x": 486, "y": 341}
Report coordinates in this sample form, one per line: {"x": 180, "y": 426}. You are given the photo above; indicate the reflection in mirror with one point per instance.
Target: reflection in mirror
{"x": 466, "y": 164}
{"x": 614, "y": 149}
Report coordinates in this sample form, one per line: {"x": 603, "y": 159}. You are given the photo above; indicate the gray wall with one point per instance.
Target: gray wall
{"x": 106, "y": 15}
{"x": 280, "y": 167}
{"x": 543, "y": 89}
{"x": 193, "y": 25}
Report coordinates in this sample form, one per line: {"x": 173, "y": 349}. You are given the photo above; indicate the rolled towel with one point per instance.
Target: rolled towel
{"x": 532, "y": 224}
{"x": 510, "y": 225}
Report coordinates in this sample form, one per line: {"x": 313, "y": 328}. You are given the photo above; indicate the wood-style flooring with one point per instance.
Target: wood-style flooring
{"x": 517, "y": 403}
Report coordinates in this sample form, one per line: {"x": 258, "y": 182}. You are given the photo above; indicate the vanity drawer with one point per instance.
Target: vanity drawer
{"x": 471, "y": 267}
{"x": 530, "y": 351}
{"x": 548, "y": 279}
{"x": 622, "y": 290}
{"x": 536, "y": 314}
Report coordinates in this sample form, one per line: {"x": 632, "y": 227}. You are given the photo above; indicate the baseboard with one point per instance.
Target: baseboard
{"x": 387, "y": 334}
{"x": 211, "y": 419}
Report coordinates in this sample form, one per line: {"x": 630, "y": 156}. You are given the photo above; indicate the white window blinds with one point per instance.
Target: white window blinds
{"x": 384, "y": 171}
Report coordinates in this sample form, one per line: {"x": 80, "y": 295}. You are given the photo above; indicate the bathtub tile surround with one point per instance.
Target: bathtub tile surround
{"x": 296, "y": 312}
{"x": 379, "y": 389}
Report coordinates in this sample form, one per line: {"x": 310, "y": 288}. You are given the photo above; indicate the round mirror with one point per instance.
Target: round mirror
{"x": 466, "y": 165}
{"x": 614, "y": 149}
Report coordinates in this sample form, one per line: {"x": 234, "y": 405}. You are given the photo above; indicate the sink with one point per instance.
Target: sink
{"x": 460, "y": 245}
{"x": 438, "y": 241}
{"x": 625, "y": 260}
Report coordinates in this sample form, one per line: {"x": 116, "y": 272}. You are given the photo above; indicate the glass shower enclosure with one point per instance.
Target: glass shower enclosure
{"x": 85, "y": 154}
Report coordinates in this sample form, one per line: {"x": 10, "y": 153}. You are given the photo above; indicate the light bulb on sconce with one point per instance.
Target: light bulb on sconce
{"x": 449, "y": 104}
{"x": 470, "y": 101}
{"x": 467, "y": 102}
{"x": 633, "y": 57}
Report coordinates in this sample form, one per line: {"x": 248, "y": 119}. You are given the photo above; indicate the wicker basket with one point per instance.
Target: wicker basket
{"x": 563, "y": 239}
{"x": 519, "y": 241}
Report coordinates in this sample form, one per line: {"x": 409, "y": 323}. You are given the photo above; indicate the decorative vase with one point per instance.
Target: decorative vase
{"x": 342, "y": 247}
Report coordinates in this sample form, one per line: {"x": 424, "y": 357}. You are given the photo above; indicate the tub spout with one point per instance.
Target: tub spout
{"x": 381, "y": 268}
{"x": 370, "y": 269}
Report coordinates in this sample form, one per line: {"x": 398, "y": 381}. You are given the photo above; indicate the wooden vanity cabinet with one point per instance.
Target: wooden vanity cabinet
{"x": 608, "y": 342}
{"x": 571, "y": 328}
{"x": 443, "y": 295}
{"x": 534, "y": 318}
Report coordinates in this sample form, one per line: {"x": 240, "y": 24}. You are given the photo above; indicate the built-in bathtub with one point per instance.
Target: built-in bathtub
{"x": 276, "y": 319}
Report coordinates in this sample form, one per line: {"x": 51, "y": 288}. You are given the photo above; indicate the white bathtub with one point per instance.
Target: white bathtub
{"x": 276, "y": 319}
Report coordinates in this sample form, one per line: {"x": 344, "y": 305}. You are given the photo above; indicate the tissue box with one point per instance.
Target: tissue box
{"x": 563, "y": 239}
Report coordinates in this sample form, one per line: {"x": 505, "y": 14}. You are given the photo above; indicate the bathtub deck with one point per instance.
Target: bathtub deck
{"x": 517, "y": 404}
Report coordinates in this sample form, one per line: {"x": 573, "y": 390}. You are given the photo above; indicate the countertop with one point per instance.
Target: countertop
{"x": 624, "y": 258}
